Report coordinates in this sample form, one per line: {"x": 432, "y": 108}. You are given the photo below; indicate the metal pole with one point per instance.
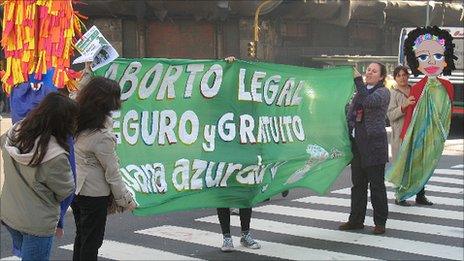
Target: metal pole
{"x": 427, "y": 17}
{"x": 256, "y": 23}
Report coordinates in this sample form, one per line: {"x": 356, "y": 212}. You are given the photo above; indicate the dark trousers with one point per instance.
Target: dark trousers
{"x": 361, "y": 178}
{"x": 90, "y": 218}
{"x": 224, "y": 219}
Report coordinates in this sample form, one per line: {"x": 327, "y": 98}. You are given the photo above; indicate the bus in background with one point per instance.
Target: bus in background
{"x": 456, "y": 77}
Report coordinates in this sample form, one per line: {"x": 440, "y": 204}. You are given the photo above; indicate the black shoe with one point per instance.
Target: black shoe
{"x": 350, "y": 226}
{"x": 285, "y": 193}
{"x": 423, "y": 201}
{"x": 403, "y": 203}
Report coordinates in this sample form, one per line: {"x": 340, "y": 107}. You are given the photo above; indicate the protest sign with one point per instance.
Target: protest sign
{"x": 207, "y": 133}
{"x": 94, "y": 48}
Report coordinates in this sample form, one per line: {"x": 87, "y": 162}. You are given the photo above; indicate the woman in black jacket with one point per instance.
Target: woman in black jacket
{"x": 366, "y": 117}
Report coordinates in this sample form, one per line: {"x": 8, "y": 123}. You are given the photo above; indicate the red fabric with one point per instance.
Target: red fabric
{"x": 416, "y": 91}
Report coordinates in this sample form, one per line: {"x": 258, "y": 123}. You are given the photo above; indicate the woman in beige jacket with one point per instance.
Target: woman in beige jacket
{"x": 399, "y": 101}
{"x": 98, "y": 179}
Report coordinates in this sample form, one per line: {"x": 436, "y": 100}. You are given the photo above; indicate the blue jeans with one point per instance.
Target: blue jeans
{"x": 30, "y": 247}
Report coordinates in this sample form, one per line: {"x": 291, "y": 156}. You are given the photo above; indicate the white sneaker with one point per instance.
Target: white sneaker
{"x": 227, "y": 245}
{"x": 248, "y": 242}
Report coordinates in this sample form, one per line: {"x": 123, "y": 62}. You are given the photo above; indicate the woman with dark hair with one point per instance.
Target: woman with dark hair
{"x": 99, "y": 183}
{"x": 366, "y": 118}
{"x": 399, "y": 101}
{"x": 428, "y": 50}
{"x": 37, "y": 175}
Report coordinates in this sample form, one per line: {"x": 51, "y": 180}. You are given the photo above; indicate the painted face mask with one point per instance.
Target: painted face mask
{"x": 429, "y": 51}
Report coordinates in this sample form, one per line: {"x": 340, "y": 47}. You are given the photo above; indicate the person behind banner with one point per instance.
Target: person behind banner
{"x": 246, "y": 239}
{"x": 366, "y": 118}
{"x": 99, "y": 183}
{"x": 245, "y": 219}
{"x": 284, "y": 193}
{"x": 37, "y": 175}
{"x": 430, "y": 51}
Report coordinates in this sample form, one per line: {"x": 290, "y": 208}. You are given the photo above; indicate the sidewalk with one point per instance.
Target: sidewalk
{"x": 454, "y": 147}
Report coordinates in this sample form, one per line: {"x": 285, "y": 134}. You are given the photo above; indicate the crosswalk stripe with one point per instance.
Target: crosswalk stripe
{"x": 419, "y": 211}
{"x": 342, "y": 217}
{"x": 455, "y": 172}
{"x": 10, "y": 258}
{"x": 269, "y": 249}
{"x": 438, "y": 200}
{"x": 435, "y": 188}
{"x": 447, "y": 180}
{"x": 460, "y": 166}
{"x": 122, "y": 251}
{"x": 397, "y": 244}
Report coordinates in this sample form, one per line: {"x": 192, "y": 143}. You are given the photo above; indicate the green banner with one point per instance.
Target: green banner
{"x": 207, "y": 133}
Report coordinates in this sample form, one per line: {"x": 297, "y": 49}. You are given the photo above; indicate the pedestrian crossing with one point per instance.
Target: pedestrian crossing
{"x": 122, "y": 251}
{"x": 306, "y": 228}
{"x": 272, "y": 249}
{"x": 435, "y": 188}
{"x": 418, "y": 211}
{"x": 429, "y": 249}
{"x": 446, "y": 180}
{"x": 455, "y": 171}
{"x": 410, "y": 226}
{"x": 458, "y": 202}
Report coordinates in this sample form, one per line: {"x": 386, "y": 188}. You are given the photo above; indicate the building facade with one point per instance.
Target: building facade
{"x": 291, "y": 32}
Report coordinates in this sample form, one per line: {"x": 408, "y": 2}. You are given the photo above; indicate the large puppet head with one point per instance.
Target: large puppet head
{"x": 430, "y": 51}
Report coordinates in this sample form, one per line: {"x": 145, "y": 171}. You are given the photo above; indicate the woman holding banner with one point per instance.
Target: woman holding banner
{"x": 366, "y": 117}
{"x": 99, "y": 183}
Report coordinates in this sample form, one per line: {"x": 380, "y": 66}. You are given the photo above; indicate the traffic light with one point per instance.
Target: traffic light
{"x": 252, "y": 49}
